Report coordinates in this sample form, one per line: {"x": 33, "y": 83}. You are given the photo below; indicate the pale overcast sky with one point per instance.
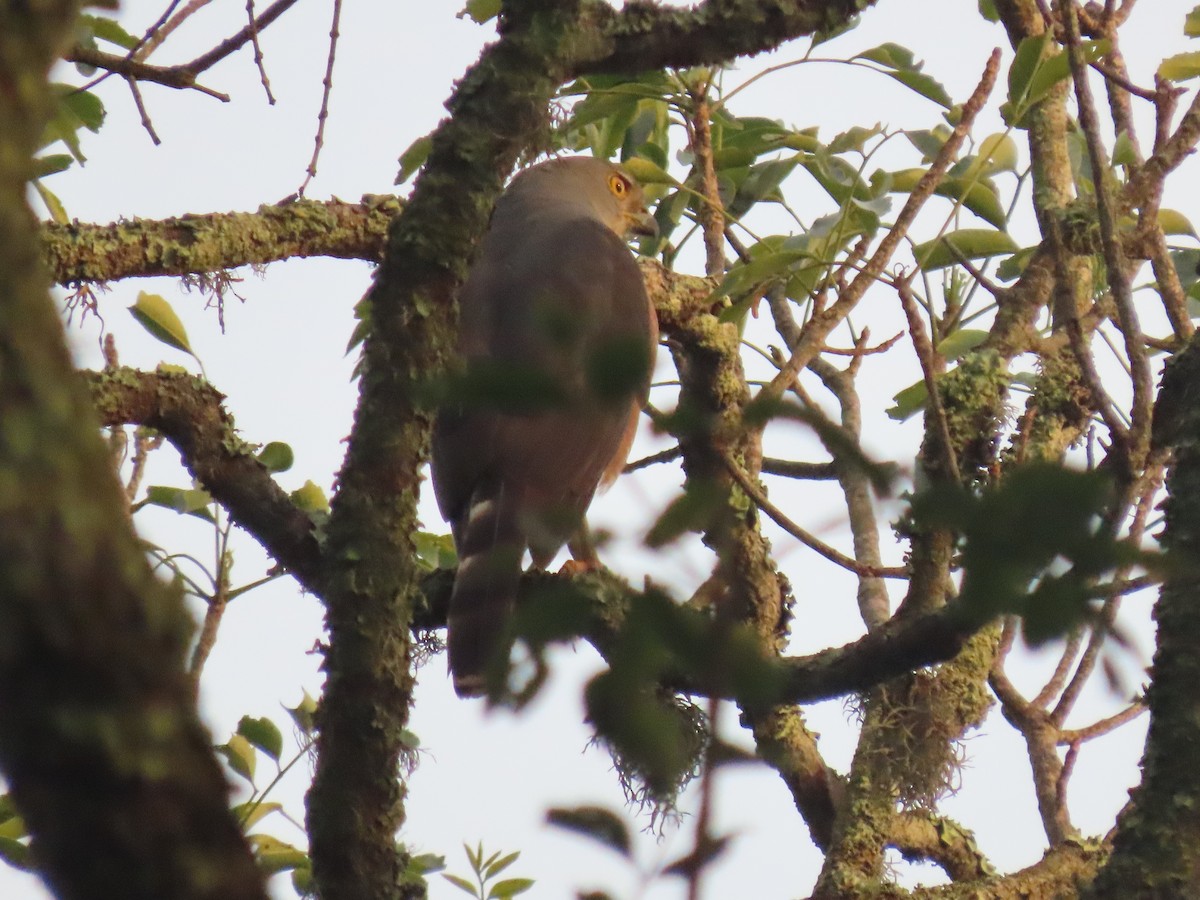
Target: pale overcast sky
{"x": 491, "y": 777}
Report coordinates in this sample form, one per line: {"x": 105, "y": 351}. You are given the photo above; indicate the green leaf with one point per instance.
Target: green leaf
{"x": 762, "y": 266}
{"x": 302, "y": 881}
{"x": 414, "y": 157}
{"x": 276, "y": 456}
{"x": 510, "y": 887}
{"x": 1025, "y": 63}
{"x": 1013, "y": 266}
{"x": 691, "y": 511}
{"x": 15, "y": 854}
{"x": 959, "y": 342}
{"x": 239, "y": 753}
{"x": 252, "y": 812}
{"x": 8, "y": 809}
{"x": 51, "y": 164}
{"x": 1187, "y": 266}
{"x": 303, "y": 712}
{"x": 190, "y": 502}
{"x": 903, "y": 67}
{"x": 13, "y": 827}
{"x": 86, "y": 106}
{"x": 647, "y": 172}
{"x": 462, "y": 884}
{"x": 263, "y": 734}
{"x": 929, "y": 142}
{"x": 1019, "y": 533}
{"x": 496, "y": 867}
{"x": 853, "y": 139}
{"x": 595, "y": 822}
{"x": 1180, "y": 67}
{"x": 1191, "y": 23}
{"x": 839, "y": 179}
{"x": 156, "y": 315}
{"x": 474, "y": 857}
{"x": 1172, "y": 221}
{"x": 968, "y": 243}
{"x": 761, "y": 183}
{"x": 1123, "y": 152}
{"x": 909, "y": 401}
{"x": 310, "y": 498}
{"x": 925, "y": 85}
{"x": 274, "y": 855}
{"x": 53, "y": 205}
{"x": 74, "y": 109}
{"x": 1053, "y": 68}
{"x": 890, "y": 55}
{"x": 426, "y": 863}
{"x": 481, "y": 11}
{"x": 987, "y": 9}
{"x": 109, "y": 30}
{"x": 1036, "y": 70}
{"x": 996, "y": 153}
{"x": 978, "y": 195}
{"x": 435, "y": 551}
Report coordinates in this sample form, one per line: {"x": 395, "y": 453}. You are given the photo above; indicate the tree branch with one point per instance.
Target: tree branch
{"x": 195, "y": 244}
{"x": 101, "y": 744}
{"x": 189, "y": 412}
{"x": 922, "y": 837}
{"x": 1159, "y": 832}
{"x": 648, "y": 36}
{"x": 184, "y": 75}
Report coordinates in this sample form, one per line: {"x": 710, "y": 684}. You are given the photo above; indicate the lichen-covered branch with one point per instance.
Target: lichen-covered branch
{"x": 650, "y": 36}
{"x": 100, "y": 741}
{"x": 921, "y": 837}
{"x": 1157, "y": 844}
{"x": 905, "y": 642}
{"x": 196, "y": 244}
{"x": 190, "y": 413}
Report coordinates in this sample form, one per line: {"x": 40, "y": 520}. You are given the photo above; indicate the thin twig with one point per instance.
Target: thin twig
{"x": 167, "y": 24}
{"x": 147, "y": 36}
{"x": 183, "y": 76}
{"x": 860, "y": 352}
{"x": 1102, "y": 727}
{"x": 1120, "y": 78}
{"x": 710, "y": 212}
{"x": 664, "y": 456}
{"x": 258, "y": 54}
{"x": 141, "y": 108}
{"x": 327, "y": 89}
{"x": 1114, "y": 255}
{"x": 1051, "y": 688}
{"x": 808, "y": 539}
{"x": 818, "y": 328}
{"x": 805, "y": 471}
{"x": 930, "y": 363}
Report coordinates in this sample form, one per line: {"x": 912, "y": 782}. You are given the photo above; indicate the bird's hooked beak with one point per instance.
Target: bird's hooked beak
{"x": 641, "y": 223}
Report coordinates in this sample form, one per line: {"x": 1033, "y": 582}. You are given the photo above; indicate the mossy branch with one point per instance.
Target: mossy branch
{"x": 102, "y": 747}
{"x": 196, "y": 244}
{"x": 191, "y": 414}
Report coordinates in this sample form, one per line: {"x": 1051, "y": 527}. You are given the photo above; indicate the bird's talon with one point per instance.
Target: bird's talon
{"x": 573, "y": 567}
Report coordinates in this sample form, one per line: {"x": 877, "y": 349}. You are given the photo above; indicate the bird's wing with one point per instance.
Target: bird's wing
{"x": 561, "y": 299}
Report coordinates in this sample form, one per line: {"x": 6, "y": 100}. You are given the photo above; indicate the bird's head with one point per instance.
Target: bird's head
{"x": 605, "y": 190}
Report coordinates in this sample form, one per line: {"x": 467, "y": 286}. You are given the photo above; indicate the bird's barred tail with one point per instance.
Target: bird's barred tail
{"x": 489, "y": 569}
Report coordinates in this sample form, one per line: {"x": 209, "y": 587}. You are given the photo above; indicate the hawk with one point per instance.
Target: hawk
{"x": 555, "y": 305}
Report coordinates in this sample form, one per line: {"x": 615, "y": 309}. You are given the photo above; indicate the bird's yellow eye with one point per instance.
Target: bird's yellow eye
{"x": 617, "y": 185}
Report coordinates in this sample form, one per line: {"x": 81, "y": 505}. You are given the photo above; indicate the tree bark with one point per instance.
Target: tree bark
{"x": 1157, "y": 844}
{"x": 99, "y": 738}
